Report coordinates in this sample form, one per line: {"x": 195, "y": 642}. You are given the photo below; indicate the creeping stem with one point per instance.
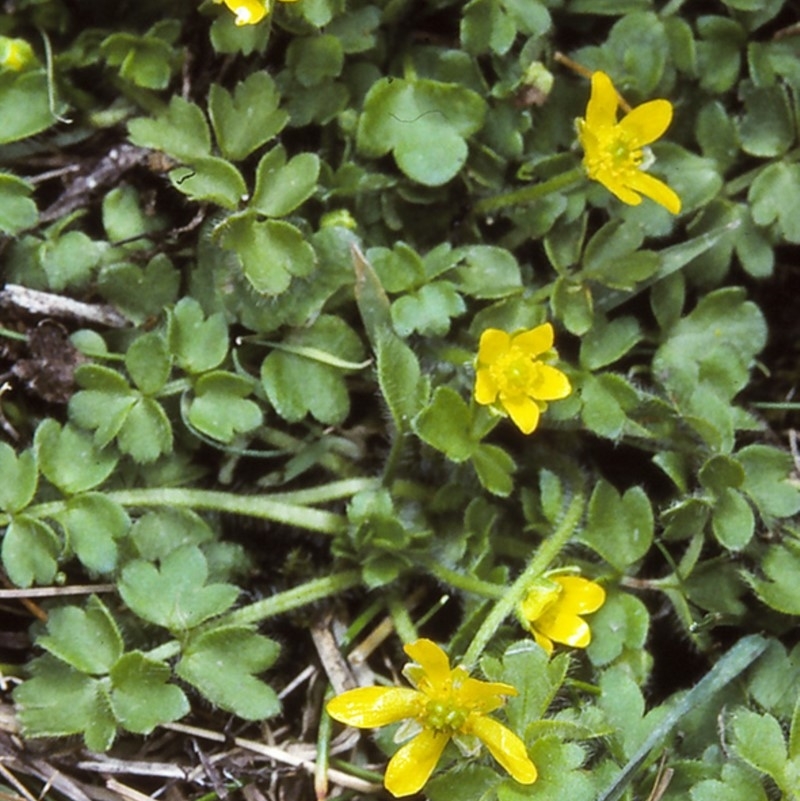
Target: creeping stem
{"x": 543, "y": 558}
{"x": 529, "y": 193}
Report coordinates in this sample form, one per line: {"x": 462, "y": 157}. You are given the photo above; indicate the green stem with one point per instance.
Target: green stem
{"x": 246, "y": 505}
{"x": 505, "y": 605}
{"x": 277, "y": 604}
{"x": 297, "y": 597}
{"x": 463, "y": 582}
{"x": 530, "y": 193}
{"x": 288, "y": 510}
{"x": 393, "y": 460}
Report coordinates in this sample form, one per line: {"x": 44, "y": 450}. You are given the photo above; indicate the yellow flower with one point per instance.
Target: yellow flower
{"x": 509, "y": 373}
{"x": 15, "y": 54}
{"x": 613, "y": 151}
{"x": 445, "y": 704}
{"x": 553, "y": 607}
{"x": 249, "y": 12}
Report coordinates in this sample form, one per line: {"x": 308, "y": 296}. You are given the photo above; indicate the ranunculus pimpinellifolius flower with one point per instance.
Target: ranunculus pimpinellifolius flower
{"x": 15, "y": 54}
{"x": 445, "y": 704}
{"x": 511, "y": 376}
{"x": 614, "y": 151}
{"x": 249, "y": 12}
{"x": 553, "y": 607}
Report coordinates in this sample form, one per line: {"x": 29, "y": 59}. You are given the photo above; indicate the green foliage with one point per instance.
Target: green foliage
{"x": 267, "y": 255}
{"x": 424, "y": 124}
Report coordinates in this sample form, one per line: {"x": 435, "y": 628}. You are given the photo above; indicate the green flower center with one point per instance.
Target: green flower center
{"x": 614, "y": 155}
{"x": 514, "y": 373}
{"x": 443, "y": 716}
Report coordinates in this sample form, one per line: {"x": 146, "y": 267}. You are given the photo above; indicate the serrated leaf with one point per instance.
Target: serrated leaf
{"x": 282, "y": 186}
{"x": 494, "y": 468}
{"x": 781, "y": 568}
{"x": 220, "y": 407}
{"x": 424, "y": 123}
{"x": 247, "y": 119}
{"x": 29, "y": 552}
{"x": 17, "y": 210}
{"x": 298, "y": 385}
{"x": 607, "y": 342}
{"x": 69, "y": 459}
{"x": 148, "y": 362}
{"x": 26, "y": 105}
{"x": 607, "y": 398}
{"x": 211, "y": 179}
{"x": 197, "y": 343}
{"x": 243, "y": 653}
{"x": 89, "y": 640}
{"x": 732, "y": 522}
{"x": 270, "y": 251}
{"x": 446, "y": 424}
{"x": 20, "y": 478}
{"x": 773, "y": 195}
{"x": 103, "y": 404}
{"x": 141, "y": 696}
{"x": 140, "y": 292}
{"x": 622, "y": 623}
{"x": 175, "y": 595}
{"x": 697, "y": 352}
{"x": 759, "y": 741}
{"x": 146, "y": 432}
{"x": 767, "y": 480}
{"x": 93, "y": 524}
{"x": 488, "y": 272}
{"x": 619, "y": 527}
{"x": 181, "y": 131}
{"x": 737, "y": 784}
{"x": 58, "y": 701}
{"x": 158, "y": 533}
{"x": 560, "y": 776}
{"x": 428, "y": 310}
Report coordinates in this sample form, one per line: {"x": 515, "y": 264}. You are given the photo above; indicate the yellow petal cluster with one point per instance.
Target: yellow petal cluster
{"x": 250, "y": 12}
{"x": 553, "y": 607}
{"x": 444, "y": 704}
{"x": 15, "y": 54}
{"x": 511, "y": 376}
{"x": 613, "y": 151}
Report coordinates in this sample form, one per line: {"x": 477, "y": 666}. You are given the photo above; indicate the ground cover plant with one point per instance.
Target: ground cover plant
{"x": 397, "y": 399}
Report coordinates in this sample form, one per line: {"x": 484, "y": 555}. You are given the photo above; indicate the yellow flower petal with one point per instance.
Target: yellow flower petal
{"x": 412, "y": 765}
{"x": 485, "y": 386}
{"x": 619, "y": 187}
{"x": 523, "y": 411}
{"x": 564, "y": 627}
{"x": 505, "y": 747}
{"x": 493, "y": 344}
{"x": 248, "y": 12}
{"x": 613, "y": 150}
{"x": 601, "y": 111}
{"x": 580, "y": 595}
{"x": 536, "y": 341}
{"x": 370, "y": 707}
{"x": 656, "y": 190}
{"x": 484, "y": 696}
{"x": 550, "y": 384}
{"x": 544, "y": 642}
{"x": 431, "y": 658}
{"x": 540, "y": 596}
{"x": 647, "y": 122}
